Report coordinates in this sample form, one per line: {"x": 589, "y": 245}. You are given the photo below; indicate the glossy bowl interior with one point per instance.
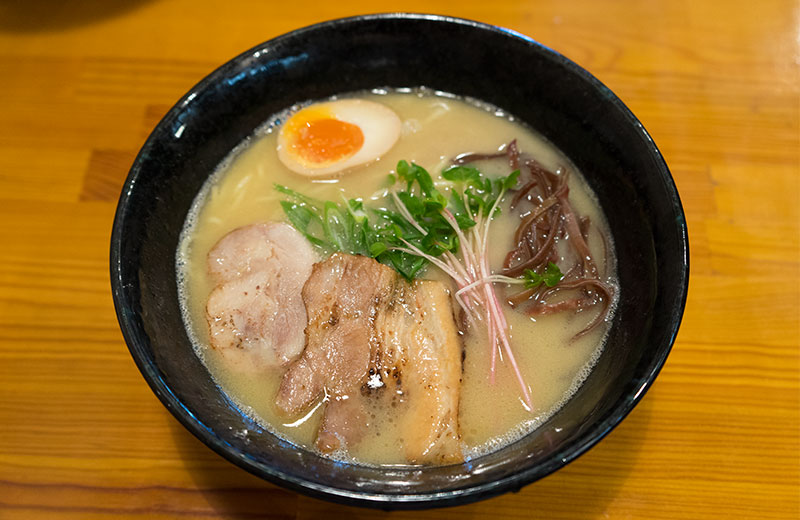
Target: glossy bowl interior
{"x": 540, "y": 87}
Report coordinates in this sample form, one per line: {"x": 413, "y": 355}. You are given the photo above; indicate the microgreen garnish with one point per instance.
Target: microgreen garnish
{"x": 550, "y": 277}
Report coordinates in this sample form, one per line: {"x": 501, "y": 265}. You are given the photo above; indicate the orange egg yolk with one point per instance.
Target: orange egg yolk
{"x": 326, "y": 140}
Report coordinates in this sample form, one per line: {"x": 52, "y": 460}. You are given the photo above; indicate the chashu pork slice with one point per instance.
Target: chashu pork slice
{"x": 256, "y": 315}
{"x": 342, "y": 297}
{"x": 422, "y": 358}
{"x": 372, "y": 337}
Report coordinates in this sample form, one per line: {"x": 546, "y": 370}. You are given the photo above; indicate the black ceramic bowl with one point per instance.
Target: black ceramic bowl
{"x": 540, "y": 87}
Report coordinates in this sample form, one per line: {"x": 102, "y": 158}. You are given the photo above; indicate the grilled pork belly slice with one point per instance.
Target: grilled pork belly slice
{"x": 422, "y": 358}
{"x": 374, "y": 339}
{"x": 342, "y": 297}
{"x": 256, "y": 315}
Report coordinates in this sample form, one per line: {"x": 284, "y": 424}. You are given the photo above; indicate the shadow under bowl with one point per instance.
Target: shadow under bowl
{"x": 545, "y": 90}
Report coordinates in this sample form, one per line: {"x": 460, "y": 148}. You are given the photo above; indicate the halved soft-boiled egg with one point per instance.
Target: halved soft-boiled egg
{"x": 329, "y": 137}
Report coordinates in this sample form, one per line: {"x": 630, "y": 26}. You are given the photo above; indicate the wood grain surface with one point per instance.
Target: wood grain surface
{"x": 716, "y": 83}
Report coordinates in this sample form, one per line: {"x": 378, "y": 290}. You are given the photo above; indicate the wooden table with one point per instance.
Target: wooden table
{"x": 83, "y": 83}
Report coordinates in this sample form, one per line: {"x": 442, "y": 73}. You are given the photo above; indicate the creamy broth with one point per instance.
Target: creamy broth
{"x": 436, "y": 128}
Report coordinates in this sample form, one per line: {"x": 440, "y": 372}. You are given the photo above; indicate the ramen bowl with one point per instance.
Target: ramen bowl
{"x": 540, "y": 87}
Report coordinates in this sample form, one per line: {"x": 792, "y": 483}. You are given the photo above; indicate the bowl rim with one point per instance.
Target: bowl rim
{"x": 459, "y": 496}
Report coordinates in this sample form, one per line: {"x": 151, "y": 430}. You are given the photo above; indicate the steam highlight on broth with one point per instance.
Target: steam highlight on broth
{"x": 533, "y": 283}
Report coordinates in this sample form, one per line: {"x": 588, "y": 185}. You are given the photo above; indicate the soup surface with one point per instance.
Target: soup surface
{"x": 435, "y": 129}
